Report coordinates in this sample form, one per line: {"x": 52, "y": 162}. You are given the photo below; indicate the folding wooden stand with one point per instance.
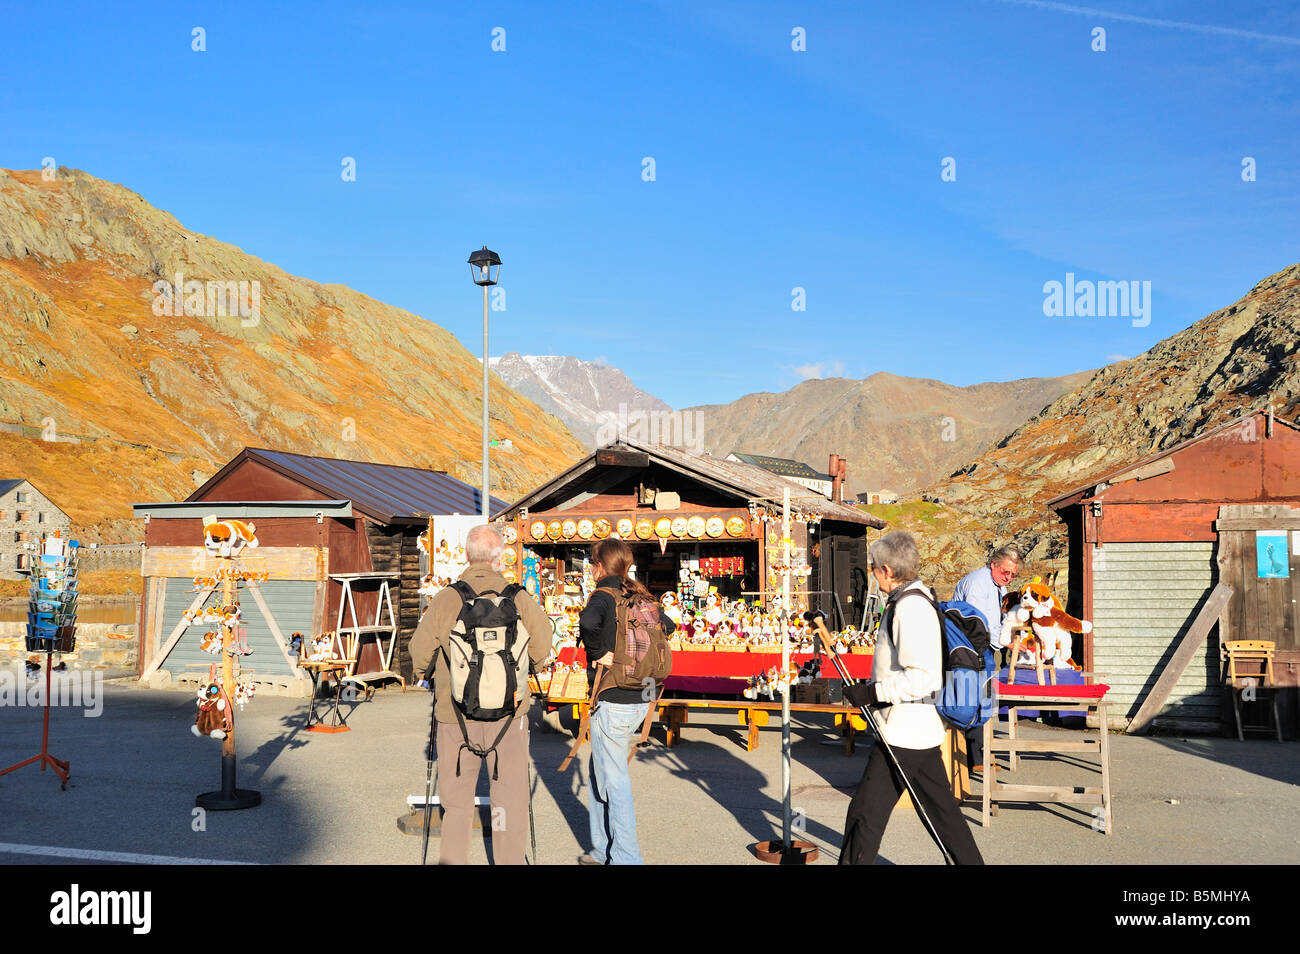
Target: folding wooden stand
{"x": 995, "y": 791}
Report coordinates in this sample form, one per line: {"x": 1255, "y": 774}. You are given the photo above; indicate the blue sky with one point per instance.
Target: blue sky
{"x": 775, "y": 169}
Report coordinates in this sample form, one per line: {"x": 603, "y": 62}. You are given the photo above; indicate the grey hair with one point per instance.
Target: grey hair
{"x": 483, "y": 544}
{"x": 897, "y": 550}
{"x": 1006, "y": 553}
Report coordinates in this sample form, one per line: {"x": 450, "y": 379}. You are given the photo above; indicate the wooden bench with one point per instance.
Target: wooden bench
{"x": 675, "y": 713}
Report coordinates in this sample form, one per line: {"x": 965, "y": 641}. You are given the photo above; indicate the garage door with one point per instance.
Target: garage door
{"x": 1145, "y": 598}
{"x": 290, "y": 602}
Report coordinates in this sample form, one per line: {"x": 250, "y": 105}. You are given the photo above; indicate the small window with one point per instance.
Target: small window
{"x": 22, "y": 561}
{"x": 22, "y": 515}
{"x": 40, "y": 517}
{"x": 22, "y": 496}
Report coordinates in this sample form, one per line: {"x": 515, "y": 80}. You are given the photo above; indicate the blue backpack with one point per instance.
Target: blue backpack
{"x": 967, "y": 699}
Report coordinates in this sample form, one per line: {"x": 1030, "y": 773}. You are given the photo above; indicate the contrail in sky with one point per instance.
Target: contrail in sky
{"x": 1156, "y": 22}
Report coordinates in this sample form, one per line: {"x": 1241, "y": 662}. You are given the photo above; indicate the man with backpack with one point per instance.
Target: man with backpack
{"x": 476, "y": 639}
{"x": 907, "y": 676}
{"x": 984, "y": 589}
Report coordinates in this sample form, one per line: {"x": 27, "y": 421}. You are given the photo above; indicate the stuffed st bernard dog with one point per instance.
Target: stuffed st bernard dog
{"x": 1037, "y": 624}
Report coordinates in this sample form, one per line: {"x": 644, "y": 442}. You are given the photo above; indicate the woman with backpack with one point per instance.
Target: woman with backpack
{"x": 906, "y": 674}
{"x": 618, "y": 714}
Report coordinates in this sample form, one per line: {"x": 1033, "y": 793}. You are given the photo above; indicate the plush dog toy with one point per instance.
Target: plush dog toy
{"x": 228, "y": 537}
{"x": 213, "y": 719}
{"x": 1038, "y": 616}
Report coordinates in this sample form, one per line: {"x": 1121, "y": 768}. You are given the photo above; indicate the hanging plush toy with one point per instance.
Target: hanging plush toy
{"x": 214, "y": 713}
{"x": 243, "y": 692}
{"x": 228, "y": 537}
{"x": 211, "y": 643}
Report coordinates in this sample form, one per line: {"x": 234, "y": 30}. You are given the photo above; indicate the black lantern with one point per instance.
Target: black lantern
{"x": 484, "y": 266}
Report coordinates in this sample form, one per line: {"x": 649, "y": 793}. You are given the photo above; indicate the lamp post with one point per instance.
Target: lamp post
{"x": 485, "y": 269}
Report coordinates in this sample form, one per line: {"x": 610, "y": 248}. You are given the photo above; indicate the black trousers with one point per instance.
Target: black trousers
{"x": 974, "y": 746}
{"x": 879, "y": 790}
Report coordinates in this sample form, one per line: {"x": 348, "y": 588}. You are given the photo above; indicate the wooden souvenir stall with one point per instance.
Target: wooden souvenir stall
{"x": 705, "y": 533}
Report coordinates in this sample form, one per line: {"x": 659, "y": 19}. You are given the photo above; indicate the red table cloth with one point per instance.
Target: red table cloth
{"x": 743, "y": 665}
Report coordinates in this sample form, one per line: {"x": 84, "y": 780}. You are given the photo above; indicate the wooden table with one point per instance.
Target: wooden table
{"x": 1099, "y": 744}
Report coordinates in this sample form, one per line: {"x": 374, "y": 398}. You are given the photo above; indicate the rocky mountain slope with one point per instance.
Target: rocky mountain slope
{"x": 106, "y": 398}
{"x": 897, "y": 433}
{"x": 582, "y": 394}
{"x": 1236, "y": 359}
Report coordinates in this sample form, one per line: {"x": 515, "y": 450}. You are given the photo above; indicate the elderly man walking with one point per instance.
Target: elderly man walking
{"x": 984, "y": 589}
{"x": 463, "y": 742}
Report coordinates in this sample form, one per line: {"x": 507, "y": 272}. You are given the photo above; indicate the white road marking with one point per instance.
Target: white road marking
{"x": 125, "y": 857}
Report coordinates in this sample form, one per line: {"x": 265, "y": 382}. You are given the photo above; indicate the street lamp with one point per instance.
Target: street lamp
{"x": 485, "y": 269}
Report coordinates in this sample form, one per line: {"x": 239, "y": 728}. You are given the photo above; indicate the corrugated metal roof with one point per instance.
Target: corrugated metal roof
{"x": 387, "y": 493}
{"x": 746, "y": 481}
{"x": 781, "y": 465}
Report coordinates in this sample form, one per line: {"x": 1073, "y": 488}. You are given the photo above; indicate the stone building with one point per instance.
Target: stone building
{"x": 27, "y": 516}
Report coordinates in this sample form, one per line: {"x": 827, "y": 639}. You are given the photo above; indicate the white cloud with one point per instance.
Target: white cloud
{"x": 821, "y": 369}
{"x": 1111, "y": 358}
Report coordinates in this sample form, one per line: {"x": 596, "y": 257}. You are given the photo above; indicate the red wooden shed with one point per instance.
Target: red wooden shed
{"x": 1148, "y": 543}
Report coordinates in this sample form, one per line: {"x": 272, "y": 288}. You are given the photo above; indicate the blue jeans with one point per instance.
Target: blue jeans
{"x": 613, "y": 817}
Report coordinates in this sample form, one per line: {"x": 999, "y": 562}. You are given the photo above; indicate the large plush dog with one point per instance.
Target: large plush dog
{"x": 1038, "y": 629}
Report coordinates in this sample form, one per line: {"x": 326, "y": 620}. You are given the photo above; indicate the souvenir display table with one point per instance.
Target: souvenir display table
{"x": 1051, "y": 698}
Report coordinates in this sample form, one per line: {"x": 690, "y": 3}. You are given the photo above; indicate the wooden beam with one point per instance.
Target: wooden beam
{"x": 615, "y": 457}
{"x": 282, "y": 563}
{"x": 1259, "y": 523}
{"x": 174, "y": 638}
{"x": 1181, "y": 658}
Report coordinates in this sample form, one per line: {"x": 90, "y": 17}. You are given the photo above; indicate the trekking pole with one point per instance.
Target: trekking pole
{"x": 428, "y": 794}
{"x": 826, "y": 639}
{"x": 532, "y": 830}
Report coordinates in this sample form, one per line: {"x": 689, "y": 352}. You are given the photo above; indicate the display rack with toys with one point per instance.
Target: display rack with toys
{"x": 225, "y": 540}
{"x": 51, "y": 629}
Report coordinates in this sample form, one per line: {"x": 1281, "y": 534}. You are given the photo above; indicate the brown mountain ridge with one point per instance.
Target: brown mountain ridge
{"x": 104, "y": 401}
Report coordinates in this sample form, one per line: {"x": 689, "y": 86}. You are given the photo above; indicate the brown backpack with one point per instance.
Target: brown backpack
{"x": 642, "y": 660}
{"x": 642, "y": 657}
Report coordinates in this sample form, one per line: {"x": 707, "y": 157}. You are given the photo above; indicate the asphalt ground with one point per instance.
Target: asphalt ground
{"x": 336, "y": 799}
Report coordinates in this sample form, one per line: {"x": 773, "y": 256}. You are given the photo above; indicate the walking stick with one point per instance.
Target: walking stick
{"x": 824, "y": 635}
{"x": 428, "y": 794}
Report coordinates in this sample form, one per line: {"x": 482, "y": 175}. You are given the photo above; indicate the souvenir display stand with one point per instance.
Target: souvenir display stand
{"x": 51, "y": 628}
{"x": 231, "y": 644}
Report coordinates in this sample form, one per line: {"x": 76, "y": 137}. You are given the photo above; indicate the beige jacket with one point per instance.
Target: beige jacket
{"x": 435, "y": 628}
{"x": 908, "y": 672}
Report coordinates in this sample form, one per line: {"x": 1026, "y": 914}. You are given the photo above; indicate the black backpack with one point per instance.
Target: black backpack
{"x": 487, "y": 660}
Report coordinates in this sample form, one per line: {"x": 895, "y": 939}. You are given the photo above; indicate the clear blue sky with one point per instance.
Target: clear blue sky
{"x": 774, "y": 168}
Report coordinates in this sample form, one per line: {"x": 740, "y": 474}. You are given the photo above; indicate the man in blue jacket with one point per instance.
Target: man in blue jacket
{"x": 984, "y": 589}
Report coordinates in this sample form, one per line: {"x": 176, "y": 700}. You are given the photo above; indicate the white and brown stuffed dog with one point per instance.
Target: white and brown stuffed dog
{"x": 213, "y": 719}
{"x": 228, "y": 537}
{"x": 1037, "y": 624}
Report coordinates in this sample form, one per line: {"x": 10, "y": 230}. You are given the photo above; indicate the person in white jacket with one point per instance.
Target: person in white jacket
{"x": 907, "y": 674}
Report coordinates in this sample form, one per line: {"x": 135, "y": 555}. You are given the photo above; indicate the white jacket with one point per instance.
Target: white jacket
{"x": 908, "y": 666}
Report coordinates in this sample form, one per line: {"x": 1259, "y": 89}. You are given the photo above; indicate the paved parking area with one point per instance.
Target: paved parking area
{"x": 331, "y": 799}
